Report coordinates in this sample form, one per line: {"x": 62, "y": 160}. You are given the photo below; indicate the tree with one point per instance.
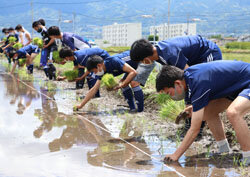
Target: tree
{"x": 151, "y": 38}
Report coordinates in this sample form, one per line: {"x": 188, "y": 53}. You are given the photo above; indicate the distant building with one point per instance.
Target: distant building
{"x": 122, "y": 34}
{"x": 181, "y": 29}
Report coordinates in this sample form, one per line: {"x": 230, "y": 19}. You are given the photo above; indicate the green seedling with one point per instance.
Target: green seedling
{"x": 21, "y": 61}
{"x": 71, "y": 75}
{"x": 17, "y": 46}
{"x": 56, "y": 57}
{"x": 4, "y": 39}
{"x": 12, "y": 39}
{"x": 109, "y": 81}
{"x": 171, "y": 109}
{"x": 162, "y": 98}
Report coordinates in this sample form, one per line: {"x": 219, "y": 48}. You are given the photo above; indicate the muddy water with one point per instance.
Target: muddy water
{"x": 40, "y": 136}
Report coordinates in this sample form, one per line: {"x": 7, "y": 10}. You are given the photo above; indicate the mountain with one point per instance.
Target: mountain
{"x": 214, "y": 16}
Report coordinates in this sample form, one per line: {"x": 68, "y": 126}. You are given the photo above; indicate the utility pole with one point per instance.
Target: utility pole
{"x": 187, "y": 24}
{"x": 74, "y": 19}
{"x": 32, "y": 18}
{"x": 59, "y": 19}
{"x": 168, "y": 17}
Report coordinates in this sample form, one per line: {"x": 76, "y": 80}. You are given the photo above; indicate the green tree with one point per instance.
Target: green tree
{"x": 151, "y": 38}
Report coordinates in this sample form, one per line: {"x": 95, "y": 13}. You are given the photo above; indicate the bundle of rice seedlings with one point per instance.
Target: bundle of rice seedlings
{"x": 12, "y": 39}
{"x": 56, "y": 57}
{"x": 109, "y": 81}
{"x": 162, "y": 98}
{"x": 71, "y": 74}
{"x": 21, "y": 61}
{"x": 171, "y": 109}
{"x": 4, "y": 39}
{"x": 37, "y": 41}
{"x": 17, "y": 46}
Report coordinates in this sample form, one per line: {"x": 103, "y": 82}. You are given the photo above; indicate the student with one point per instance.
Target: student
{"x": 211, "y": 88}
{"x": 181, "y": 52}
{"x": 80, "y": 58}
{"x": 49, "y": 47}
{"x": 25, "y": 38}
{"x": 73, "y": 41}
{"x": 29, "y": 52}
{"x": 116, "y": 65}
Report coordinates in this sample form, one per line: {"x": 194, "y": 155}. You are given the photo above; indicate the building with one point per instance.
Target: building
{"x": 122, "y": 34}
{"x": 181, "y": 29}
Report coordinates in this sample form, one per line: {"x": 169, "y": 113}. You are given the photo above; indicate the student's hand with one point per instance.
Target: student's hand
{"x": 189, "y": 110}
{"x": 118, "y": 86}
{"x": 170, "y": 158}
{"x": 60, "y": 78}
{"x": 76, "y": 108}
{"x": 182, "y": 116}
{"x": 78, "y": 79}
{"x": 63, "y": 62}
{"x": 45, "y": 46}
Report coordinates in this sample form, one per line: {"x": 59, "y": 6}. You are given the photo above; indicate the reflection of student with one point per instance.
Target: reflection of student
{"x": 211, "y": 88}
{"x": 115, "y": 154}
{"x": 26, "y": 97}
{"x": 48, "y": 113}
{"x": 116, "y": 65}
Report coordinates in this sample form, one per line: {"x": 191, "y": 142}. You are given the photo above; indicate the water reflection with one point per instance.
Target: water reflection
{"x": 19, "y": 94}
{"x": 102, "y": 149}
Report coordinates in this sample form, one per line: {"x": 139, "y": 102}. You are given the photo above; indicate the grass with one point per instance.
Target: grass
{"x": 238, "y": 45}
{"x": 116, "y": 49}
{"x": 238, "y": 56}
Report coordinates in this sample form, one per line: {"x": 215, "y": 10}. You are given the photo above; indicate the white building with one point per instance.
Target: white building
{"x": 122, "y": 34}
{"x": 181, "y": 29}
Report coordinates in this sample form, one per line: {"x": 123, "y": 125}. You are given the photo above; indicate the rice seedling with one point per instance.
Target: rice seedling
{"x": 21, "y": 62}
{"x": 71, "y": 74}
{"x": 109, "y": 81}
{"x": 17, "y": 46}
{"x": 171, "y": 109}
{"x": 12, "y": 39}
{"x": 56, "y": 57}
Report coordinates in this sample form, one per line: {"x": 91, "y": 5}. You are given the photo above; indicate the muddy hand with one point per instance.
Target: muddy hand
{"x": 169, "y": 159}
{"x": 182, "y": 116}
{"x": 75, "y": 108}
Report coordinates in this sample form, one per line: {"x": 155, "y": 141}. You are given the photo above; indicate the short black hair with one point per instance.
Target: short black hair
{"x": 93, "y": 61}
{"x": 11, "y": 29}
{"x": 5, "y": 30}
{"x": 54, "y": 31}
{"x": 66, "y": 52}
{"x": 141, "y": 49}
{"x": 18, "y": 27}
{"x": 12, "y": 53}
{"x": 42, "y": 21}
{"x": 35, "y": 24}
{"x": 167, "y": 76}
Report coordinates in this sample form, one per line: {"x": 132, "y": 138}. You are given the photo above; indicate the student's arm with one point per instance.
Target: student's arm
{"x": 80, "y": 66}
{"x": 21, "y": 37}
{"x": 83, "y": 76}
{"x": 90, "y": 94}
{"x": 131, "y": 74}
{"x": 29, "y": 38}
{"x": 190, "y": 136}
{"x": 52, "y": 40}
{"x": 7, "y": 46}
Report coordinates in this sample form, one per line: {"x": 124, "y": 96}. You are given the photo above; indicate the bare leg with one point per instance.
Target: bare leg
{"x": 235, "y": 112}
{"x": 211, "y": 116}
